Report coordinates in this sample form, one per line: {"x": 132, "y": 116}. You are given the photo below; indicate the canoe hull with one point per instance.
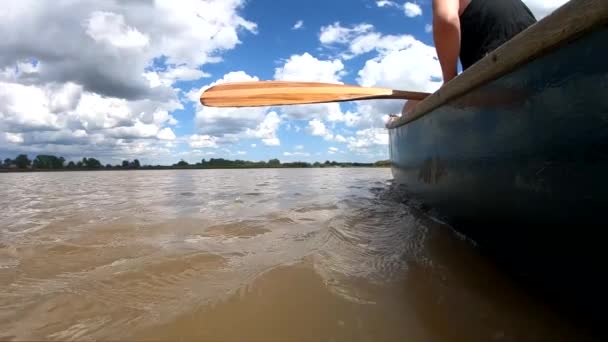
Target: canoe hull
{"x": 520, "y": 164}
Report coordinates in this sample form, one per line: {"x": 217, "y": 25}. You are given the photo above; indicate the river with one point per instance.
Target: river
{"x": 246, "y": 255}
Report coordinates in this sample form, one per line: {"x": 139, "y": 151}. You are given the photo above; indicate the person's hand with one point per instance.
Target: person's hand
{"x": 409, "y": 107}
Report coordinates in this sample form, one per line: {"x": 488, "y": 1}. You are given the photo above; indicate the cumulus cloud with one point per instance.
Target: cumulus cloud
{"x": 316, "y": 127}
{"x": 412, "y": 10}
{"x": 296, "y": 154}
{"x": 542, "y": 8}
{"x": 428, "y": 28}
{"x": 216, "y": 121}
{"x": 386, "y": 3}
{"x": 337, "y": 34}
{"x": 363, "y": 38}
{"x": 166, "y": 134}
{"x": 202, "y": 141}
{"x": 266, "y": 130}
{"x": 400, "y": 62}
{"x": 110, "y": 28}
{"x": 305, "y": 67}
{"x": 103, "y": 74}
{"x": 413, "y": 68}
{"x": 14, "y": 138}
{"x": 367, "y": 139}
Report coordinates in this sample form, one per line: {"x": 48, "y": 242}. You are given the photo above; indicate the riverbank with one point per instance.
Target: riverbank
{"x": 193, "y": 168}
{"x": 53, "y": 163}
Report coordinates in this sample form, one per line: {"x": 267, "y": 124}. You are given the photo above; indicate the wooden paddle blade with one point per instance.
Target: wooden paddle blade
{"x": 279, "y": 93}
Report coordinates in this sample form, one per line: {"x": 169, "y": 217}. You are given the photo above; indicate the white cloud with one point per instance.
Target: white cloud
{"x": 202, "y": 141}
{"x": 323, "y": 111}
{"x": 241, "y": 153}
{"x": 414, "y": 68}
{"x": 339, "y": 138}
{"x": 267, "y": 130}
{"x": 254, "y": 145}
{"x": 369, "y": 138}
{"x": 104, "y": 79}
{"x": 357, "y": 41}
{"x": 110, "y": 28}
{"x": 401, "y": 62}
{"x": 428, "y": 28}
{"x": 298, "y": 25}
{"x": 542, "y": 8}
{"x": 305, "y": 67}
{"x": 14, "y": 138}
{"x": 317, "y": 128}
{"x": 218, "y": 122}
{"x": 337, "y": 34}
{"x": 412, "y": 10}
{"x": 333, "y": 150}
{"x": 299, "y": 147}
{"x": 173, "y": 74}
{"x": 386, "y": 3}
{"x": 166, "y": 134}
{"x": 272, "y": 141}
{"x": 294, "y": 154}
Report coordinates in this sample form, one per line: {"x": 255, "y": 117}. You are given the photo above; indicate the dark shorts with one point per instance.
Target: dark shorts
{"x": 487, "y": 24}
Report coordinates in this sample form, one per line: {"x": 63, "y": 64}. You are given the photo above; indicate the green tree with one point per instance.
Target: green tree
{"x": 383, "y": 163}
{"x": 8, "y": 162}
{"x": 125, "y": 164}
{"x": 71, "y": 165}
{"x": 136, "y": 164}
{"x": 91, "y": 163}
{"x": 274, "y": 162}
{"x": 182, "y": 163}
{"x": 48, "y": 162}
{"x": 108, "y": 166}
{"x": 22, "y": 161}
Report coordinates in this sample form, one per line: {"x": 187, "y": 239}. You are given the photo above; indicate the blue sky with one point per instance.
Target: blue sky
{"x": 279, "y": 37}
{"x": 121, "y": 79}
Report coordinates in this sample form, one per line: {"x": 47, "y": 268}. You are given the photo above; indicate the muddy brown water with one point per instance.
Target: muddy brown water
{"x": 246, "y": 255}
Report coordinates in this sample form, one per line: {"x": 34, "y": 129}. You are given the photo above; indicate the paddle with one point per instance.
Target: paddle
{"x": 277, "y": 93}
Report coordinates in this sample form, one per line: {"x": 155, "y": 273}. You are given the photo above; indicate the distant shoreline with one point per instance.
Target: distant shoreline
{"x": 45, "y": 163}
{"x": 192, "y": 168}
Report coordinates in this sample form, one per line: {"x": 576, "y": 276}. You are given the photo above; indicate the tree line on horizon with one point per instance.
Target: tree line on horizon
{"x": 51, "y": 162}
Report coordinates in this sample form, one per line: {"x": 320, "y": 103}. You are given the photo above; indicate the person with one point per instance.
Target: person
{"x": 470, "y": 29}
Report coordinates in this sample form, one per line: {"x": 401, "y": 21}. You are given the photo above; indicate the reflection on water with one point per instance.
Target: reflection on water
{"x": 310, "y": 254}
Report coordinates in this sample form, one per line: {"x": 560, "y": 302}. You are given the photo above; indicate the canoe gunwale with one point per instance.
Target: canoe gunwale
{"x": 564, "y": 25}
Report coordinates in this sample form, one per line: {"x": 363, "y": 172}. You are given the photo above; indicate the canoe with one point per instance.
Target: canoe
{"x": 513, "y": 152}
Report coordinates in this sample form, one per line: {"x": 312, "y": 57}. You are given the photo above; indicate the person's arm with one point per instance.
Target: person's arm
{"x": 446, "y": 33}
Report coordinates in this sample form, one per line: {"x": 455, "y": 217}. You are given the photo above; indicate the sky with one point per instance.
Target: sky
{"x": 121, "y": 80}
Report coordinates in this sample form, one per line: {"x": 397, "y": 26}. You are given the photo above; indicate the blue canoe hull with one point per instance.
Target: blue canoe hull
{"x": 520, "y": 165}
